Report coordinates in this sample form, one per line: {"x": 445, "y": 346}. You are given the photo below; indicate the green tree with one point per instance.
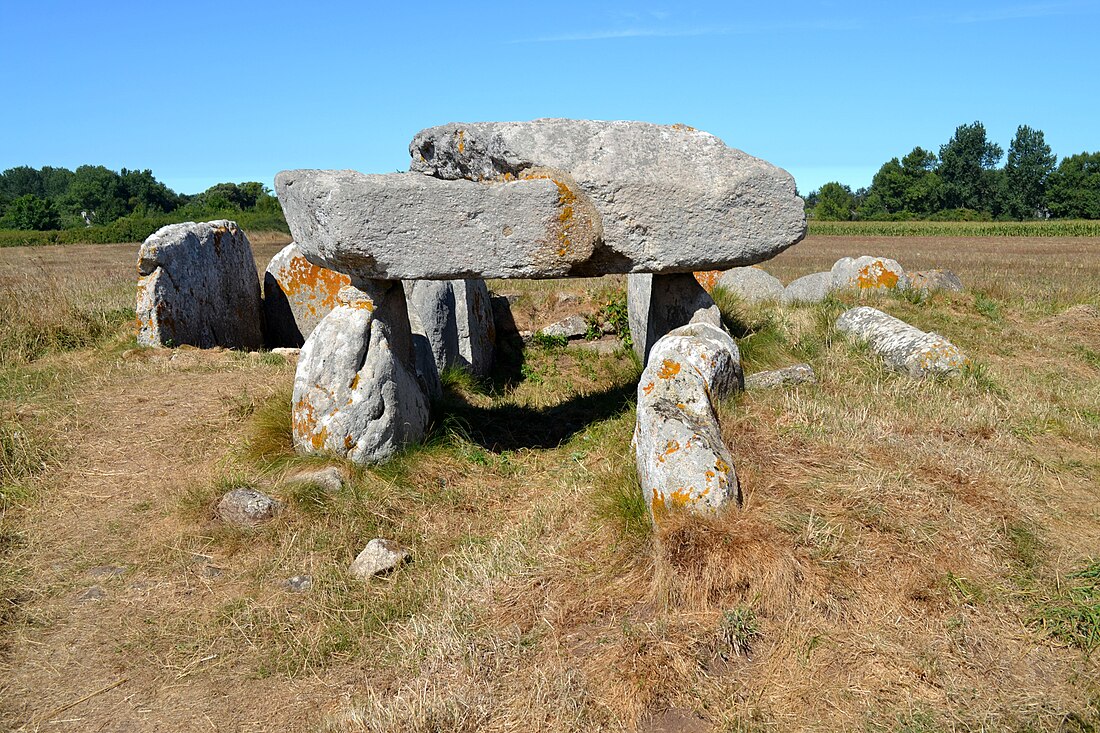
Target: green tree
{"x": 55, "y": 183}
{"x": 1029, "y": 165}
{"x": 20, "y": 181}
{"x": 1073, "y": 189}
{"x": 835, "y": 202}
{"x": 967, "y": 162}
{"x": 98, "y": 191}
{"x": 30, "y": 212}
{"x": 145, "y": 193}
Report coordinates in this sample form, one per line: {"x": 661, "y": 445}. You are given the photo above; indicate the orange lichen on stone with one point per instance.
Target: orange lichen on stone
{"x": 302, "y": 275}
{"x": 707, "y": 278}
{"x": 876, "y": 275}
{"x": 354, "y": 383}
{"x": 648, "y": 388}
{"x": 682, "y": 127}
{"x": 460, "y": 135}
{"x": 671, "y": 447}
{"x": 304, "y": 423}
{"x": 566, "y": 201}
{"x": 669, "y": 369}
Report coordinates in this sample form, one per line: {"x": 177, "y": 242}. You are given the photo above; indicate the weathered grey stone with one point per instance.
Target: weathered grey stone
{"x": 456, "y": 319}
{"x": 405, "y": 226}
{"x": 867, "y": 273}
{"x": 355, "y": 392}
{"x": 751, "y": 284}
{"x": 681, "y": 459}
{"x": 197, "y": 285}
{"x": 298, "y": 583}
{"x": 379, "y": 556}
{"x": 672, "y": 199}
{"x": 92, "y": 594}
{"x": 570, "y": 327}
{"x": 809, "y": 288}
{"x": 785, "y": 377}
{"x": 297, "y": 295}
{"x": 656, "y": 304}
{"x": 245, "y": 507}
{"x": 902, "y": 347}
{"x": 935, "y": 280}
{"x": 330, "y": 478}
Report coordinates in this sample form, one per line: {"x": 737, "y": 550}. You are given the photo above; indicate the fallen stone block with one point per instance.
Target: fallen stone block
{"x": 356, "y": 394}
{"x": 406, "y": 226}
{"x": 928, "y": 280}
{"x": 571, "y": 327}
{"x": 902, "y": 347}
{"x": 671, "y": 198}
{"x": 785, "y": 377}
{"x": 809, "y": 288}
{"x": 751, "y": 284}
{"x": 455, "y": 317}
{"x": 656, "y": 304}
{"x": 297, "y": 295}
{"x": 681, "y": 458}
{"x": 379, "y": 556}
{"x": 867, "y": 274}
{"x": 198, "y": 286}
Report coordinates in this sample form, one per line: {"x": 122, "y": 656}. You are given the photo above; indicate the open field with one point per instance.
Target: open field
{"x": 911, "y": 556}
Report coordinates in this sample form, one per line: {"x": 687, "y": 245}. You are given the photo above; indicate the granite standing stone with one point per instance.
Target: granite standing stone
{"x": 681, "y": 458}
{"x": 455, "y": 317}
{"x": 297, "y": 295}
{"x": 656, "y": 304}
{"x": 868, "y": 274}
{"x": 903, "y": 348}
{"x": 198, "y": 286}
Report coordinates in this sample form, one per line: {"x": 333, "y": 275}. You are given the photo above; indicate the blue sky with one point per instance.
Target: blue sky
{"x": 202, "y": 92}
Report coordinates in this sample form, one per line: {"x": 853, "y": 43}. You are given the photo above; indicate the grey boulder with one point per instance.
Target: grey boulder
{"x": 198, "y": 286}
{"x": 246, "y": 507}
{"x": 657, "y": 304}
{"x": 356, "y": 394}
{"x": 928, "y": 280}
{"x": 297, "y": 295}
{"x": 682, "y": 461}
{"x": 570, "y": 327}
{"x": 751, "y": 284}
{"x": 785, "y": 377}
{"x": 868, "y": 274}
{"x": 455, "y": 319}
{"x": 379, "y": 556}
{"x": 671, "y": 198}
{"x": 903, "y": 347}
{"x": 809, "y": 288}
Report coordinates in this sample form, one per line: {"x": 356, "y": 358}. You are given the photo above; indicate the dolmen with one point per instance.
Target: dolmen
{"x": 544, "y": 199}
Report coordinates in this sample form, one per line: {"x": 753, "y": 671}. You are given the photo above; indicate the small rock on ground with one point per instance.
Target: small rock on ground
{"x": 107, "y": 571}
{"x": 247, "y": 507}
{"x": 287, "y": 353}
{"x": 329, "y": 479}
{"x": 785, "y": 377}
{"x": 95, "y": 593}
{"x": 935, "y": 280}
{"x": 571, "y": 328}
{"x": 379, "y": 556}
{"x": 298, "y": 583}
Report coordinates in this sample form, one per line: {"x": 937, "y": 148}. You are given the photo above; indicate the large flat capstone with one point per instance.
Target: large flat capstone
{"x": 197, "y": 285}
{"x": 406, "y": 226}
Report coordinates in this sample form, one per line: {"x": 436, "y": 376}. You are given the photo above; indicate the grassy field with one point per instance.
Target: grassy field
{"x": 1044, "y": 228}
{"x": 911, "y": 556}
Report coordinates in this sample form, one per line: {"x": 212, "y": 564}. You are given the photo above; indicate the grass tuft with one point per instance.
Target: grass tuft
{"x": 271, "y": 442}
{"x": 1072, "y": 614}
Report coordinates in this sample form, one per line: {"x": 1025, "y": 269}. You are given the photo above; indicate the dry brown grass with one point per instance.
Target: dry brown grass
{"x": 897, "y": 544}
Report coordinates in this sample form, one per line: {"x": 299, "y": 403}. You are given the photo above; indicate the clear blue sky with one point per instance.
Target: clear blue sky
{"x": 202, "y": 92}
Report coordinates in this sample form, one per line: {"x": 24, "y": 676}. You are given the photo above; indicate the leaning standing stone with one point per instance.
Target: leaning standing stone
{"x": 456, "y": 319}
{"x": 198, "y": 286}
{"x": 681, "y": 458}
{"x": 355, "y": 391}
{"x": 297, "y": 295}
{"x": 868, "y": 273}
{"x": 751, "y": 284}
{"x": 656, "y": 304}
{"x": 902, "y": 347}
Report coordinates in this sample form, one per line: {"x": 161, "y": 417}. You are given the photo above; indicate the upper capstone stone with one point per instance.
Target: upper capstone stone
{"x": 671, "y": 198}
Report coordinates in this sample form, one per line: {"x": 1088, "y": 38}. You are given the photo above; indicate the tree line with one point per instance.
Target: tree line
{"x": 49, "y": 199}
{"x": 965, "y": 182}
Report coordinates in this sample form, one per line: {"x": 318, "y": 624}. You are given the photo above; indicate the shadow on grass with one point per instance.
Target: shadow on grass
{"x": 512, "y": 427}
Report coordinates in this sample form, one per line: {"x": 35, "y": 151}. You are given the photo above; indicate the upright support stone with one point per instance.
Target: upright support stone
{"x": 656, "y": 304}
{"x": 682, "y": 461}
{"x": 297, "y": 295}
{"x": 456, "y": 319}
{"x": 198, "y": 286}
{"x": 356, "y": 394}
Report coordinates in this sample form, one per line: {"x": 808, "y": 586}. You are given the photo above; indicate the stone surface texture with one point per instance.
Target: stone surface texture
{"x": 198, "y": 285}
{"x": 671, "y": 198}
{"x": 297, "y": 295}
{"x": 407, "y": 226}
{"x": 785, "y": 377}
{"x": 867, "y": 273}
{"x": 809, "y": 288}
{"x": 935, "y": 280}
{"x": 656, "y": 304}
{"x": 681, "y": 459}
{"x": 379, "y": 556}
{"x": 902, "y": 347}
{"x": 751, "y": 284}
{"x": 245, "y": 507}
{"x": 570, "y": 327}
{"x": 356, "y": 394}
{"x": 707, "y": 279}
{"x": 455, "y": 317}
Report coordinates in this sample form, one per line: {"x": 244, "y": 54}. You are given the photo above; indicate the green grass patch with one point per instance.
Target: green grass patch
{"x": 1072, "y": 613}
{"x": 1045, "y": 228}
{"x": 23, "y": 455}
